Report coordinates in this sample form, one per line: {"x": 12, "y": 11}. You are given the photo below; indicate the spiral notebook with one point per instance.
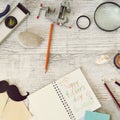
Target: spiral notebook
{"x": 66, "y": 99}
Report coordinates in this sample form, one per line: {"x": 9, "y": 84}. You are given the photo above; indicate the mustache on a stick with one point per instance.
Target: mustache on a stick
{"x": 12, "y": 91}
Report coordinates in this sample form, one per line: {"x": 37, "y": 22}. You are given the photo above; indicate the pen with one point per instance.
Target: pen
{"x": 49, "y": 44}
{"x": 117, "y": 83}
{"x": 115, "y": 100}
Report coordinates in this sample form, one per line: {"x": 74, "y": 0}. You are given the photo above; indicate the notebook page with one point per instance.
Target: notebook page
{"x": 46, "y": 105}
{"x": 78, "y": 93}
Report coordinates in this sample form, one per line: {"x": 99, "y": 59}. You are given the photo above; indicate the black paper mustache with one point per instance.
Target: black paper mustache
{"x": 12, "y": 91}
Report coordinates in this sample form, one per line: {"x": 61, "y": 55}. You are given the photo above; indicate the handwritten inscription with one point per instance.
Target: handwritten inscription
{"x": 76, "y": 92}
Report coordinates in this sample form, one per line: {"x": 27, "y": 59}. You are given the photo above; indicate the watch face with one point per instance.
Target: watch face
{"x": 10, "y": 22}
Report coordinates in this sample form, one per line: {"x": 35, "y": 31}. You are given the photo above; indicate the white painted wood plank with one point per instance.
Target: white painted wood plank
{"x": 71, "y": 48}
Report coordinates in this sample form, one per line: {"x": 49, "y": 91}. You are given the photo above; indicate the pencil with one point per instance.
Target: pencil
{"x": 115, "y": 100}
{"x": 117, "y": 83}
{"x": 48, "y": 49}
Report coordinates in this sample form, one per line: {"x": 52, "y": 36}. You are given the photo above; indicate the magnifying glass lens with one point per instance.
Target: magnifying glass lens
{"x": 107, "y": 16}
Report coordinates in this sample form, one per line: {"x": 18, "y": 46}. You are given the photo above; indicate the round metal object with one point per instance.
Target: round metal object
{"x": 83, "y": 22}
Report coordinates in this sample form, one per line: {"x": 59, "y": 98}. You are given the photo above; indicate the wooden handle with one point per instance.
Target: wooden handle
{"x": 49, "y": 45}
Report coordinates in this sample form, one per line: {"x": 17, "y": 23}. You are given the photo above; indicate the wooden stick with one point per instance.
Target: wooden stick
{"x": 48, "y": 49}
{"x": 117, "y": 83}
{"x": 115, "y": 100}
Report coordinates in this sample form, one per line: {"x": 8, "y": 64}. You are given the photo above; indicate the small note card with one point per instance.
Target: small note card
{"x": 96, "y": 116}
{"x": 16, "y": 111}
{"x": 3, "y": 101}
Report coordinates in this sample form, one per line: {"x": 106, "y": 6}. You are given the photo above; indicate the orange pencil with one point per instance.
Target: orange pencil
{"x": 48, "y": 49}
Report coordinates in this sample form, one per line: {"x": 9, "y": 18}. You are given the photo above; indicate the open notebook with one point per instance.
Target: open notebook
{"x": 66, "y": 99}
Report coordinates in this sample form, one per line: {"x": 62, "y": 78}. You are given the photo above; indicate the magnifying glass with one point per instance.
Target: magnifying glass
{"x": 107, "y": 16}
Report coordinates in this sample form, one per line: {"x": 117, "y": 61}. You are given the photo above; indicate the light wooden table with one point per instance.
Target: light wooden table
{"x": 71, "y": 48}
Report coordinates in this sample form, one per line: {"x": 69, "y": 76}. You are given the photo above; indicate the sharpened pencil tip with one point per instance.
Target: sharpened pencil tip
{"x": 45, "y": 71}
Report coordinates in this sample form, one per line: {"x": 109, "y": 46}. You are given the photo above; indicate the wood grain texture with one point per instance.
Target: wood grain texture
{"x": 70, "y": 49}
